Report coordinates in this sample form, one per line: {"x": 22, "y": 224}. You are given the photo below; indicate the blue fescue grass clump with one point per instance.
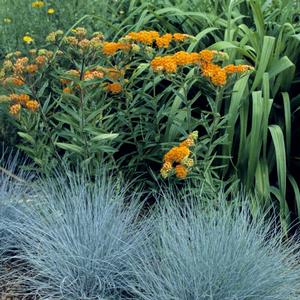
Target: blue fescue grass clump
{"x": 79, "y": 238}
{"x": 215, "y": 252}
{"x": 14, "y": 190}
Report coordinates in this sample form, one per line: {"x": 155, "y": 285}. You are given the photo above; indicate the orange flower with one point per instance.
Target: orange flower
{"x": 145, "y": 37}
{"x": 207, "y": 55}
{"x": 32, "y": 68}
{"x": 67, "y": 90}
{"x": 187, "y": 143}
{"x": 19, "y": 98}
{"x": 84, "y": 44}
{"x": 32, "y": 105}
{"x": 215, "y": 73}
{"x": 181, "y": 171}
{"x": 114, "y": 88}
{"x": 166, "y": 63}
{"x": 15, "y": 109}
{"x": 166, "y": 169}
{"x": 177, "y": 154}
{"x": 41, "y": 59}
{"x": 169, "y": 63}
{"x": 219, "y": 78}
{"x": 20, "y": 64}
{"x": 17, "y": 81}
{"x": 110, "y": 48}
{"x": 180, "y": 37}
{"x": 72, "y": 40}
{"x": 185, "y": 58}
{"x": 164, "y": 40}
{"x": 89, "y": 75}
{"x": 113, "y": 73}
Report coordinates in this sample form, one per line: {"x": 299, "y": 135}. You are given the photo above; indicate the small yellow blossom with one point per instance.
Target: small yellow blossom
{"x": 27, "y": 39}
{"x": 38, "y": 4}
{"x": 51, "y": 11}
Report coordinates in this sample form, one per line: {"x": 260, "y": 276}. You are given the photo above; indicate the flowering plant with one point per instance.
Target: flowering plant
{"x": 88, "y": 99}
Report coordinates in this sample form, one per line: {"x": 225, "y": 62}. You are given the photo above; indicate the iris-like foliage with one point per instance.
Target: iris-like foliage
{"x": 215, "y": 254}
{"x": 78, "y": 239}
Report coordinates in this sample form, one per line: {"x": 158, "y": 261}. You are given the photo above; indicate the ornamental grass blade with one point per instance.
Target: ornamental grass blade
{"x": 238, "y": 94}
{"x": 266, "y": 54}
{"x": 295, "y": 187}
{"x": 255, "y": 137}
{"x": 278, "y": 141}
{"x": 287, "y": 122}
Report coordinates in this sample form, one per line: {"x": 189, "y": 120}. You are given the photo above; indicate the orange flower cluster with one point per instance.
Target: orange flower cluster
{"x": 182, "y": 58}
{"x": 149, "y": 37}
{"x": 179, "y": 155}
{"x": 98, "y": 72}
{"x": 230, "y": 69}
{"x": 112, "y": 73}
{"x": 41, "y": 60}
{"x": 144, "y": 37}
{"x": 215, "y": 73}
{"x": 204, "y": 59}
{"x": 74, "y": 74}
{"x": 164, "y": 63}
{"x": 110, "y": 48}
{"x": 180, "y": 37}
{"x": 19, "y": 100}
{"x": 164, "y": 40}
{"x": 16, "y": 69}
{"x": 93, "y": 74}
{"x": 80, "y": 39}
{"x": 13, "y": 80}
{"x": 114, "y": 88}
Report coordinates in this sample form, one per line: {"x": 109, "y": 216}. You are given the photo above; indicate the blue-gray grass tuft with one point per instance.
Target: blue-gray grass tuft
{"x": 214, "y": 252}
{"x": 79, "y": 238}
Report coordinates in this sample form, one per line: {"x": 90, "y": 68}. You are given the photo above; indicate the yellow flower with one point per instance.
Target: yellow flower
{"x": 51, "y": 11}
{"x": 27, "y": 39}
{"x": 37, "y": 4}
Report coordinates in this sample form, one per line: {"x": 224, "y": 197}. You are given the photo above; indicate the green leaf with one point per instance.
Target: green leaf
{"x": 278, "y": 141}
{"x": 70, "y": 147}
{"x": 105, "y": 136}
{"x": 288, "y": 122}
{"x": 266, "y": 54}
{"x": 295, "y": 187}
{"x": 26, "y": 137}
